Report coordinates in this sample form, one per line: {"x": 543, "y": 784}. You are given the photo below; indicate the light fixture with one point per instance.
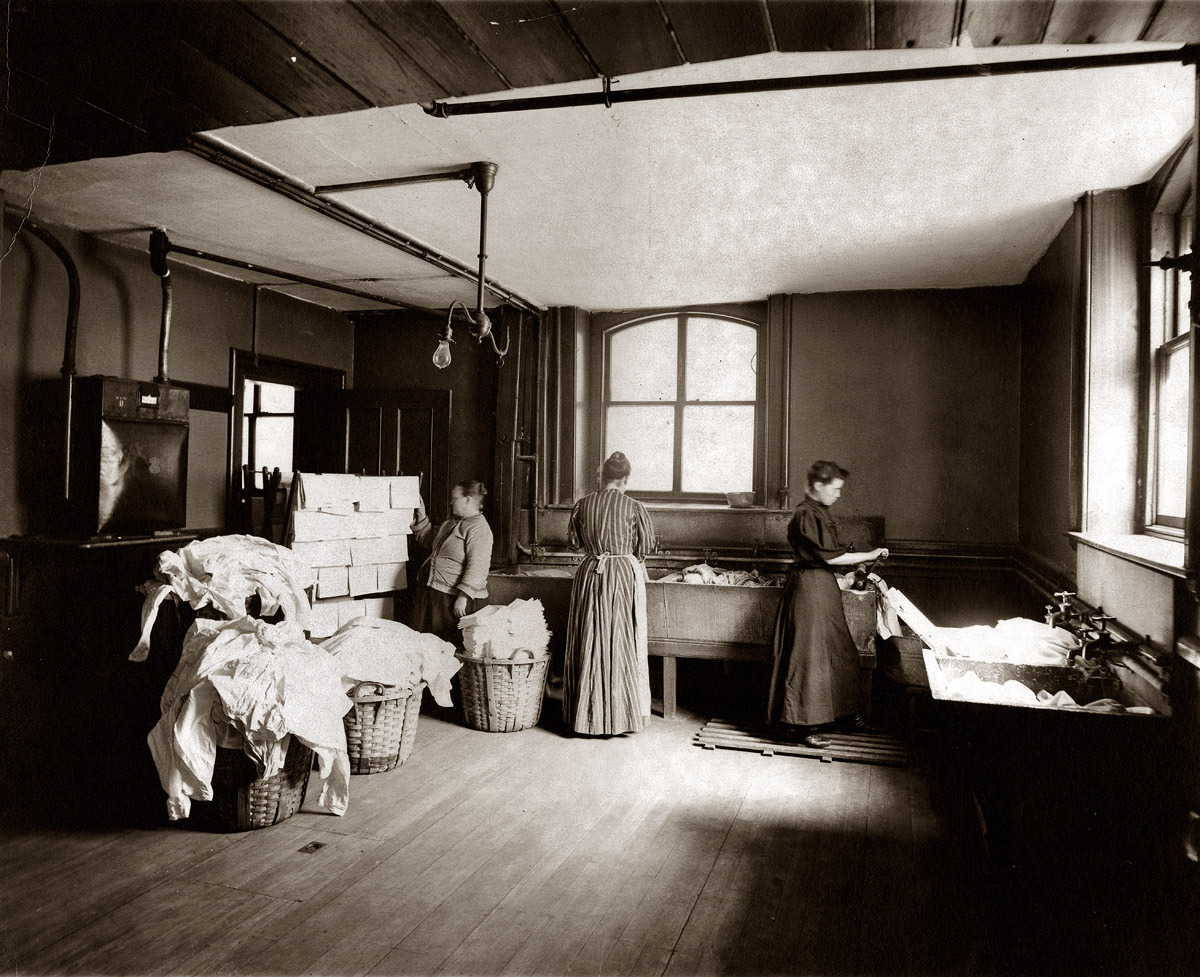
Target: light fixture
{"x": 483, "y": 177}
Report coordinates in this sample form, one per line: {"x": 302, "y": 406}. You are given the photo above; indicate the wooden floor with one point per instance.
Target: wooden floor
{"x": 544, "y": 854}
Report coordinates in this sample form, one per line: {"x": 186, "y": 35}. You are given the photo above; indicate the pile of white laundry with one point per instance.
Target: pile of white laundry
{"x": 242, "y": 682}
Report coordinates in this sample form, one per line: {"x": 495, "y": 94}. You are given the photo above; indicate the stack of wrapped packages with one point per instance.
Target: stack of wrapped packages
{"x": 497, "y": 631}
{"x": 243, "y": 681}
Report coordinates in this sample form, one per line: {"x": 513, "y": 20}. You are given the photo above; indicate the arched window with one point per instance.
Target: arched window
{"x": 682, "y": 399}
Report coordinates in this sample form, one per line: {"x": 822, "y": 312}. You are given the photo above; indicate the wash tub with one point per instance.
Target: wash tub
{"x": 723, "y": 623}
{"x": 943, "y": 669}
{"x": 1057, "y": 791}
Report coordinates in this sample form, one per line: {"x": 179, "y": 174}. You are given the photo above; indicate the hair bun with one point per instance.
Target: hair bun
{"x": 617, "y": 456}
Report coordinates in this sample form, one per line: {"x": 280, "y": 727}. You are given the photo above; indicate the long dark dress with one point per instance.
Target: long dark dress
{"x": 815, "y": 678}
{"x": 606, "y": 674}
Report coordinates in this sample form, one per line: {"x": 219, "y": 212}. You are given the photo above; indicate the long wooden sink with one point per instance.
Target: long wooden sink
{"x": 727, "y": 623}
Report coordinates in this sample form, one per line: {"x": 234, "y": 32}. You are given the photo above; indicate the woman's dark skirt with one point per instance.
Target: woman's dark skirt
{"x": 815, "y": 677}
{"x": 433, "y": 613}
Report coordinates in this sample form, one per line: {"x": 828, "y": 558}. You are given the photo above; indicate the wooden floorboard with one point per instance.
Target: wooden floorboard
{"x": 541, "y": 854}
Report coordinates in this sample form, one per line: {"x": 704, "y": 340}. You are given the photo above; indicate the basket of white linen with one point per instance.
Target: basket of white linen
{"x": 385, "y": 669}
{"x": 504, "y": 663}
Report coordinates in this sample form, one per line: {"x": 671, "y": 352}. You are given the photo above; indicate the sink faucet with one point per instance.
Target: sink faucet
{"x": 1065, "y": 614}
{"x": 1100, "y": 640}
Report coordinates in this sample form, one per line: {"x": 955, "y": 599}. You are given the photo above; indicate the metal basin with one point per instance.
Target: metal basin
{"x": 943, "y": 670}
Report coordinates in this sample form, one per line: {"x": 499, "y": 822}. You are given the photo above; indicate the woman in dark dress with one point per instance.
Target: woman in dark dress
{"x": 815, "y": 678}
{"x": 606, "y": 673}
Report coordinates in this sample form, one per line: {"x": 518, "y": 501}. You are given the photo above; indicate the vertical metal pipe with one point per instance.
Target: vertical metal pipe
{"x": 483, "y": 199}
{"x": 159, "y": 246}
{"x": 485, "y": 179}
{"x": 72, "y": 335}
{"x": 785, "y": 492}
{"x": 164, "y": 334}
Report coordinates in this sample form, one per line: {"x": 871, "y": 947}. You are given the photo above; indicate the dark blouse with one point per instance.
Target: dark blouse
{"x": 813, "y": 535}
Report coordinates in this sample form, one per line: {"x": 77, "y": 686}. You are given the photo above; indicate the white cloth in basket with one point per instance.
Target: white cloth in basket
{"x": 224, "y": 572}
{"x": 374, "y": 650}
{"x": 258, "y": 682}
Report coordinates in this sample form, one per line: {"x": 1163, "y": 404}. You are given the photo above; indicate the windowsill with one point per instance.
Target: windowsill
{"x": 688, "y": 507}
{"x": 1163, "y": 555}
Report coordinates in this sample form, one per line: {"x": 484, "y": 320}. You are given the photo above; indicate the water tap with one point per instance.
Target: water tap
{"x": 1096, "y": 639}
{"x": 1065, "y": 613}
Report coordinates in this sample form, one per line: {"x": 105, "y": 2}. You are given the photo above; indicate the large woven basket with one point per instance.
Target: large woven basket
{"x": 242, "y": 800}
{"x": 381, "y": 726}
{"x": 503, "y": 695}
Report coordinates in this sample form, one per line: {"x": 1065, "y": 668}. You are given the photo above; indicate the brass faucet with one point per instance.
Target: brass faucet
{"x": 1098, "y": 639}
{"x": 1065, "y": 614}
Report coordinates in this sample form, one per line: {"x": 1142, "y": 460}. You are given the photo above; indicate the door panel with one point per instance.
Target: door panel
{"x": 378, "y": 432}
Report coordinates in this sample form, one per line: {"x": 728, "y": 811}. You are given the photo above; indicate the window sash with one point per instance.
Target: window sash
{"x": 1169, "y": 434}
{"x": 680, "y": 405}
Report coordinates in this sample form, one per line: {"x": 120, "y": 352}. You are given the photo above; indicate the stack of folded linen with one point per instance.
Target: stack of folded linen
{"x": 497, "y": 631}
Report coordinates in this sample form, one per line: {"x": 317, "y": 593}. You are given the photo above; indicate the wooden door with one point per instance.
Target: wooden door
{"x": 378, "y": 432}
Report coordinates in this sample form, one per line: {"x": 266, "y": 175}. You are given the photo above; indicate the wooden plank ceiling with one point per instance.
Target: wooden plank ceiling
{"x": 88, "y": 79}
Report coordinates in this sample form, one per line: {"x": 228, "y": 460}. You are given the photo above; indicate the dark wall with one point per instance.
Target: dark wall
{"x": 1052, "y": 297}
{"x": 917, "y": 393}
{"x": 394, "y": 351}
{"x": 120, "y": 308}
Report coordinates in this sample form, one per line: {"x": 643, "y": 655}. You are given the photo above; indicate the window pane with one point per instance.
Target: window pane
{"x": 718, "y": 449}
{"x": 273, "y": 444}
{"x": 647, "y": 437}
{"x": 277, "y": 398}
{"x": 248, "y": 397}
{"x": 1171, "y": 474}
{"x": 245, "y": 440}
{"x": 644, "y": 362}
{"x": 1183, "y": 281}
{"x": 720, "y": 360}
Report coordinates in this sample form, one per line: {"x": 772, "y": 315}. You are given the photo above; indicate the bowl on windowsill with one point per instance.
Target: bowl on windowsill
{"x": 740, "y": 500}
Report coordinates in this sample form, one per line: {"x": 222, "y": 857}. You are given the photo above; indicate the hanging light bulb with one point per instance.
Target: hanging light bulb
{"x": 441, "y": 355}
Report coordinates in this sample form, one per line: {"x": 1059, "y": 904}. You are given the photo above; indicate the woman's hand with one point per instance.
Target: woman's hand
{"x": 460, "y": 606}
{"x": 879, "y": 554}
{"x": 420, "y": 510}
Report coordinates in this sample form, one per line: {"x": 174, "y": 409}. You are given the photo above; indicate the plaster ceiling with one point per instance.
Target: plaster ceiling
{"x": 930, "y": 184}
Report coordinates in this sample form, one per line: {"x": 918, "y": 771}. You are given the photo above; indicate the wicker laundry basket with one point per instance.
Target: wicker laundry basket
{"x": 381, "y": 726}
{"x": 503, "y": 695}
{"x": 243, "y": 800}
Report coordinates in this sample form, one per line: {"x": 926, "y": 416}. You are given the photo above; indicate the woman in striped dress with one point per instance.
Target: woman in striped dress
{"x": 606, "y": 675}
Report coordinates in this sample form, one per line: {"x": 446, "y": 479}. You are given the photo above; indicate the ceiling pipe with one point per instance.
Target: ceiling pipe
{"x": 608, "y": 96}
{"x": 250, "y": 169}
{"x": 274, "y": 272}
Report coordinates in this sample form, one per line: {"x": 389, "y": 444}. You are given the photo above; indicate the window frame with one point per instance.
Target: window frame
{"x": 250, "y": 424}
{"x": 741, "y": 315}
{"x": 1168, "y": 328}
{"x": 1158, "y": 524}
{"x": 246, "y": 366}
